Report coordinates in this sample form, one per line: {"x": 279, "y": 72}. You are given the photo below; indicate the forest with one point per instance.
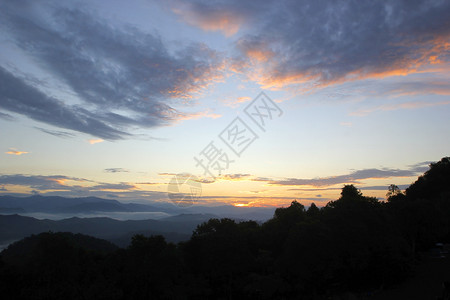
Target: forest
{"x": 355, "y": 243}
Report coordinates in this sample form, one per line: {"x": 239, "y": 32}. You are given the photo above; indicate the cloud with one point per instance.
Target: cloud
{"x": 382, "y": 187}
{"x": 235, "y": 177}
{"x": 167, "y": 174}
{"x": 57, "y": 133}
{"x": 208, "y": 16}
{"x": 112, "y": 186}
{"x": 434, "y": 85}
{"x": 108, "y": 69}
{"x": 19, "y": 97}
{"x": 95, "y": 141}
{"x": 197, "y": 115}
{"x": 258, "y": 201}
{"x": 66, "y": 186}
{"x": 364, "y": 39}
{"x": 116, "y": 170}
{"x": 319, "y": 43}
{"x": 205, "y": 180}
{"x": 225, "y": 177}
{"x": 421, "y": 167}
{"x": 37, "y": 182}
{"x": 14, "y": 151}
{"x": 354, "y": 177}
{"x": 6, "y": 117}
{"x": 61, "y": 183}
{"x": 397, "y": 106}
{"x": 235, "y": 101}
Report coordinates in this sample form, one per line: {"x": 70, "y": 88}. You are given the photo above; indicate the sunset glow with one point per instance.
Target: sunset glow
{"x": 115, "y": 100}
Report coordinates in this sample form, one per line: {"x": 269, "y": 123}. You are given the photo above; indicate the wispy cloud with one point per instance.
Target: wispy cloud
{"x": 382, "y": 187}
{"x": 113, "y": 186}
{"x": 57, "y": 133}
{"x": 209, "y": 17}
{"x": 6, "y": 117}
{"x": 61, "y": 183}
{"x": 108, "y": 68}
{"x": 226, "y": 177}
{"x": 354, "y": 177}
{"x": 167, "y": 174}
{"x": 285, "y": 44}
{"x": 116, "y": 170}
{"x": 14, "y": 151}
{"x": 37, "y": 182}
{"x": 235, "y": 177}
{"x": 235, "y": 101}
{"x": 194, "y": 116}
{"x": 397, "y": 106}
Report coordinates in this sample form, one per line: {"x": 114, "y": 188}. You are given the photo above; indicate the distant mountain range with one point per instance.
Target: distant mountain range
{"x": 177, "y": 227}
{"x": 55, "y": 204}
{"x": 93, "y": 205}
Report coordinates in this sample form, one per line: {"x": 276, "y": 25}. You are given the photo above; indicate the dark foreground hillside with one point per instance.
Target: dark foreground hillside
{"x": 353, "y": 248}
{"x": 425, "y": 282}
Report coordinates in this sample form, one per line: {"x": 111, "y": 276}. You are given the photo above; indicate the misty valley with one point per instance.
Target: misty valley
{"x": 355, "y": 246}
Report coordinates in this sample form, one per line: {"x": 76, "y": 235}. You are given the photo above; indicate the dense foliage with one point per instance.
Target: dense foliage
{"x": 355, "y": 243}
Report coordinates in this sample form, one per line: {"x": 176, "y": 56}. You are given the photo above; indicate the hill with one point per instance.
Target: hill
{"x": 55, "y": 206}
{"x": 175, "y": 229}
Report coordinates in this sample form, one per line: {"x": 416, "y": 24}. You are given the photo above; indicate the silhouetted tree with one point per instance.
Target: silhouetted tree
{"x": 313, "y": 211}
{"x": 393, "y": 191}
{"x": 354, "y": 243}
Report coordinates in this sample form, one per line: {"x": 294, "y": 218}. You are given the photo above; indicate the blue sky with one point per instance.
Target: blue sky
{"x": 112, "y": 99}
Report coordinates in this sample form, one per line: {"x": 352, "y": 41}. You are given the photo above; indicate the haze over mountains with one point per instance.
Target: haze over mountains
{"x": 109, "y": 219}
{"x": 54, "y": 205}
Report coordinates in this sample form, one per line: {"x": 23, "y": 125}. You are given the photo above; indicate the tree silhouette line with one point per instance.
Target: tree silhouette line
{"x": 355, "y": 243}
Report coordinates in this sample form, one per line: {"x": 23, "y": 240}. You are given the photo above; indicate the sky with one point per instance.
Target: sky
{"x": 258, "y": 103}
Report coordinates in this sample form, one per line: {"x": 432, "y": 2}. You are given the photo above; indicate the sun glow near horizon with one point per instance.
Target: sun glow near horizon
{"x": 118, "y": 119}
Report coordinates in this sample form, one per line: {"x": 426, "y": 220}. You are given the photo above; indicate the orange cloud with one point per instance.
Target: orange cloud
{"x": 167, "y": 174}
{"x": 259, "y": 55}
{"x": 269, "y": 70}
{"x": 14, "y": 151}
{"x": 195, "y": 84}
{"x": 405, "y": 105}
{"x": 234, "y": 102}
{"x": 235, "y": 177}
{"x": 178, "y": 117}
{"x": 219, "y": 20}
{"x": 417, "y": 88}
{"x": 95, "y": 141}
